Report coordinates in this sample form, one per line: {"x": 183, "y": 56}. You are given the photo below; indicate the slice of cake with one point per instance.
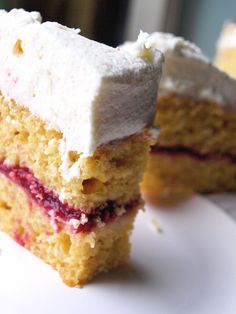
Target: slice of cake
{"x": 226, "y": 49}
{"x": 196, "y": 117}
{"x": 74, "y": 143}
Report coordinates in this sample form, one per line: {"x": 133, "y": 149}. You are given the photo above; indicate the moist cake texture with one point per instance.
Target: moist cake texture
{"x": 107, "y": 174}
{"x": 226, "y": 49}
{"x": 74, "y": 143}
{"x": 196, "y": 147}
{"x": 77, "y": 256}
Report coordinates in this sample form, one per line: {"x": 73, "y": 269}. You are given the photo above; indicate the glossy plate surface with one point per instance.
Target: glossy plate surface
{"x": 188, "y": 267}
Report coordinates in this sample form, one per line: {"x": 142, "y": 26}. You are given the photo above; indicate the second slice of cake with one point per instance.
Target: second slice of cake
{"x": 74, "y": 143}
{"x": 196, "y": 116}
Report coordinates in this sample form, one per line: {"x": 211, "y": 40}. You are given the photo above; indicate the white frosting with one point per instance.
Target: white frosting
{"x": 227, "y": 37}
{"x": 92, "y": 93}
{"x": 187, "y": 71}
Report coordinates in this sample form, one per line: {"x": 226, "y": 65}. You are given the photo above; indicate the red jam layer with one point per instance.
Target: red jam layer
{"x": 61, "y": 212}
{"x": 183, "y": 150}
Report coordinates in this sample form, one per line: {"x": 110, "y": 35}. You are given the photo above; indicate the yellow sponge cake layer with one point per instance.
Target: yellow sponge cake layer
{"x": 76, "y": 256}
{"x": 180, "y": 173}
{"x": 108, "y": 174}
{"x": 200, "y": 124}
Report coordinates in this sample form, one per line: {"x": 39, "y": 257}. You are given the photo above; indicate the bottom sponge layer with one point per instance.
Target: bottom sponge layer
{"x": 180, "y": 173}
{"x": 76, "y": 256}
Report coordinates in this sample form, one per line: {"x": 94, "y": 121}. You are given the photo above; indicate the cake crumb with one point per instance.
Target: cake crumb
{"x": 83, "y": 219}
{"x": 155, "y": 226}
{"x": 74, "y": 222}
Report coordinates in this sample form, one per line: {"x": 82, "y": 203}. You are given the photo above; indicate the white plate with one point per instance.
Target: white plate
{"x": 188, "y": 268}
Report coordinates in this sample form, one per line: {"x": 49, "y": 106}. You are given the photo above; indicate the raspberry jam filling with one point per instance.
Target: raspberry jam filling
{"x": 183, "y": 150}
{"x": 62, "y": 212}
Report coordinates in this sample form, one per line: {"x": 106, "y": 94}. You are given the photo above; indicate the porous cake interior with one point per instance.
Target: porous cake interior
{"x": 196, "y": 148}
{"x": 76, "y": 256}
{"x": 87, "y": 230}
{"x": 107, "y": 175}
{"x": 74, "y": 131}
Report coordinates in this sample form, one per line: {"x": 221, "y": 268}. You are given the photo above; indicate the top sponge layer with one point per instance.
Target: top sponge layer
{"x": 92, "y": 93}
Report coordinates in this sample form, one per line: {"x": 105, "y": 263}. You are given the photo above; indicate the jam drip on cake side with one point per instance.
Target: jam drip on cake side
{"x": 62, "y": 211}
{"x": 183, "y": 150}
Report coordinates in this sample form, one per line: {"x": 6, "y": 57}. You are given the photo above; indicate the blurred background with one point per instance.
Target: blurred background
{"x": 114, "y": 21}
